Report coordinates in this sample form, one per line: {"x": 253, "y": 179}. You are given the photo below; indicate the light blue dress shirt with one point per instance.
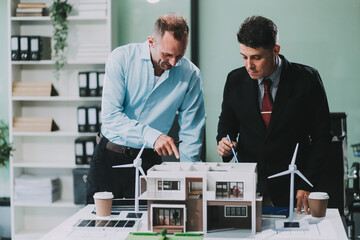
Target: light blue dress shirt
{"x": 137, "y": 109}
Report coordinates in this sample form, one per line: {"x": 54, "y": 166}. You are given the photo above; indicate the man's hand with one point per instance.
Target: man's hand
{"x": 302, "y": 201}
{"x": 224, "y": 147}
{"x": 165, "y": 146}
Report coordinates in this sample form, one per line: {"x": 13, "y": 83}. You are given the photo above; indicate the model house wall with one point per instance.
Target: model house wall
{"x": 201, "y": 197}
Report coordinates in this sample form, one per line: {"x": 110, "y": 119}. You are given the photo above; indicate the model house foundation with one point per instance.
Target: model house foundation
{"x": 202, "y": 197}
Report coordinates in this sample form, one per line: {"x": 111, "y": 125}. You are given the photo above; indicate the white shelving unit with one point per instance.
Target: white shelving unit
{"x": 52, "y": 153}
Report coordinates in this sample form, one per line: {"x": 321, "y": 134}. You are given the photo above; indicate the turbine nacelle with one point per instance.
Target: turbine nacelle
{"x": 292, "y": 167}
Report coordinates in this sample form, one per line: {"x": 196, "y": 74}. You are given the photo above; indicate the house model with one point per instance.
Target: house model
{"x": 202, "y": 197}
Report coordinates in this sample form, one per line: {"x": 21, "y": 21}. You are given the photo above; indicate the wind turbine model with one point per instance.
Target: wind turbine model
{"x": 136, "y": 164}
{"x": 292, "y": 170}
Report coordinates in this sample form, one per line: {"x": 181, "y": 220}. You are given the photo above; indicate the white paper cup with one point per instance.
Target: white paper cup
{"x": 318, "y": 202}
{"x": 103, "y": 203}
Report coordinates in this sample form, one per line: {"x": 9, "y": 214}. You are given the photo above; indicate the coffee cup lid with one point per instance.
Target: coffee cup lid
{"x": 103, "y": 195}
{"x": 319, "y": 195}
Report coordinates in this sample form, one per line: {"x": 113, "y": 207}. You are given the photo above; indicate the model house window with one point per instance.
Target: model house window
{"x": 229, "y": 189}
{"x": 195, "y": 190}
{"x": 168, "y": 185}
{"x": 167, "y": 216}
{"x": 238, "y": 211}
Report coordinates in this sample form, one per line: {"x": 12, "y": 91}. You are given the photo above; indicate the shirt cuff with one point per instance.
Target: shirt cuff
{"x": 150, "y": 136}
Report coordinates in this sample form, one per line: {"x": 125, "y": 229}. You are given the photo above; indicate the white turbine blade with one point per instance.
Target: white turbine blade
{"x": 124, "y": 166}
{"x": 280, "y": 174}
{"x": 142, "y": 172}
{"x": 141, "y": 151}
{"x": 294, "y": 156}
{"x": 303, "y": 177}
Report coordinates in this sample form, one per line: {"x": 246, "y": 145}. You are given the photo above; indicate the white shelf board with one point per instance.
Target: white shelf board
{"x": 54, "y": 134}
{"x": 39, "y": 62}
{"x": 56, "y": 98}
{"x": 35, "y": 18}
{"x": 59, "y": 203}
{"x": 37, "y": 164}
{"x": 50, "y": 62}
{"x": 47, "y": 18}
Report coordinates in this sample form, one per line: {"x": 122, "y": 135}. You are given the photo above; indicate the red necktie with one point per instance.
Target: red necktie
{"x": 267, "y": 103}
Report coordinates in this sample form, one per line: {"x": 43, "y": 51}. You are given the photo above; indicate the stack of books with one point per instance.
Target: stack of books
{"x": 93, "y": 8}
{"x": 33, "y": 189}
{"x": 30, "y": 9}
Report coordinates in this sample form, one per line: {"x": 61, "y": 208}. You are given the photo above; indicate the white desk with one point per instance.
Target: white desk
{"x": 327, "y": 228}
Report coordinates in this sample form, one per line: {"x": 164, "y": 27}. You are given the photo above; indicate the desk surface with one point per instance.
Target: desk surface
{"x": 330, "y": 227}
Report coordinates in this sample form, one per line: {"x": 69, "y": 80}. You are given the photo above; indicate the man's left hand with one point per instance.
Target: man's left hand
{"x": 302, "y": 201}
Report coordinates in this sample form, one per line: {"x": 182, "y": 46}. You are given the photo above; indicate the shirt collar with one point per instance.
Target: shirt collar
{"x": 275, "y": 76}
{"x": 145, "y": 53}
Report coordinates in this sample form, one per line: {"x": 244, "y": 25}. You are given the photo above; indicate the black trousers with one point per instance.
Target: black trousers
{"x": 119, "y": 181}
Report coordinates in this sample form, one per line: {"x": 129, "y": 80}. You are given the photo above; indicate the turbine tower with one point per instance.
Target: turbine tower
{"x": 292, "y": 170}
{"x": 137, "y": 165}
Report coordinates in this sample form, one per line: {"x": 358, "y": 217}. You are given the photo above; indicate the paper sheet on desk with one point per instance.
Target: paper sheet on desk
{"x": 318, "y": 229}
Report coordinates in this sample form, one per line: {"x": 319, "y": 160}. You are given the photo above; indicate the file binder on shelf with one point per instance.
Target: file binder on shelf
{"x": 93, "y": 119}
{"x": 79, "y": 151}
{"x": 83, "y": 84}
{"x": 88, "y": 119}
{"x": 33, "y": 124}
{"x": 84, "y": 149}
{"x": 82, "y": 119}
{"x": 99, "y": 117}
{"x": 101, "y": 76}
{"x": 90, "y": 144}
{"x": 93, "y": 84}
{"x": 24, "y": 48}
{"x": 40, "y": 48}
{"x": 15, "y": 48}
{"x": 35, "y": 89}
{"x": 30, "y": 48}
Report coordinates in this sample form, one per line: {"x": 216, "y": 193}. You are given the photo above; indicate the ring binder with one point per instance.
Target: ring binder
{"x": 40, "y": 48}
{"x": 15, "y": 48}
{"x": 24, "y": 48}
{"x": 93, "y": 84}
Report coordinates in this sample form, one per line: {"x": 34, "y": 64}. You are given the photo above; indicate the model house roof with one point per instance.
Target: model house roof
{"x": 185, "y": 168}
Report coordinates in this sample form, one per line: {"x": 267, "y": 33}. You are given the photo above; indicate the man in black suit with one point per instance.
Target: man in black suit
{"x": 265, "y": 122}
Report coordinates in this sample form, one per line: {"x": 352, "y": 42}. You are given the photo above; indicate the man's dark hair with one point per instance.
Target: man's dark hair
{"x": 258, "y": 31}
{"x": 172, "y": 23}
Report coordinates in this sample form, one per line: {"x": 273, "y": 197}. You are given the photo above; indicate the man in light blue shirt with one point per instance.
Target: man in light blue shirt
{"x": 146, "y": 84}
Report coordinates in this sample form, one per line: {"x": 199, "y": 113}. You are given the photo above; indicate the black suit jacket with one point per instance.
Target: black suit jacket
{"x": 300, "y": 115}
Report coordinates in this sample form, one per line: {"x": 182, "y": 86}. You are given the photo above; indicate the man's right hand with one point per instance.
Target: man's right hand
{"x": 224, "y": 147}
{"x": 165, "y": 146}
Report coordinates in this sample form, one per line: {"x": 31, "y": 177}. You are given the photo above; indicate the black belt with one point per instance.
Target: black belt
{"x": 132, "y": 152}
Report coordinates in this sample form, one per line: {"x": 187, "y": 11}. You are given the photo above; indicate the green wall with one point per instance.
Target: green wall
{"x": 136, "y": 18}
{"x": 324, "y": 34}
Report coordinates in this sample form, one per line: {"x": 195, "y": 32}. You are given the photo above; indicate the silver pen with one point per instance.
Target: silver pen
{"x": 232, "y": 149}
